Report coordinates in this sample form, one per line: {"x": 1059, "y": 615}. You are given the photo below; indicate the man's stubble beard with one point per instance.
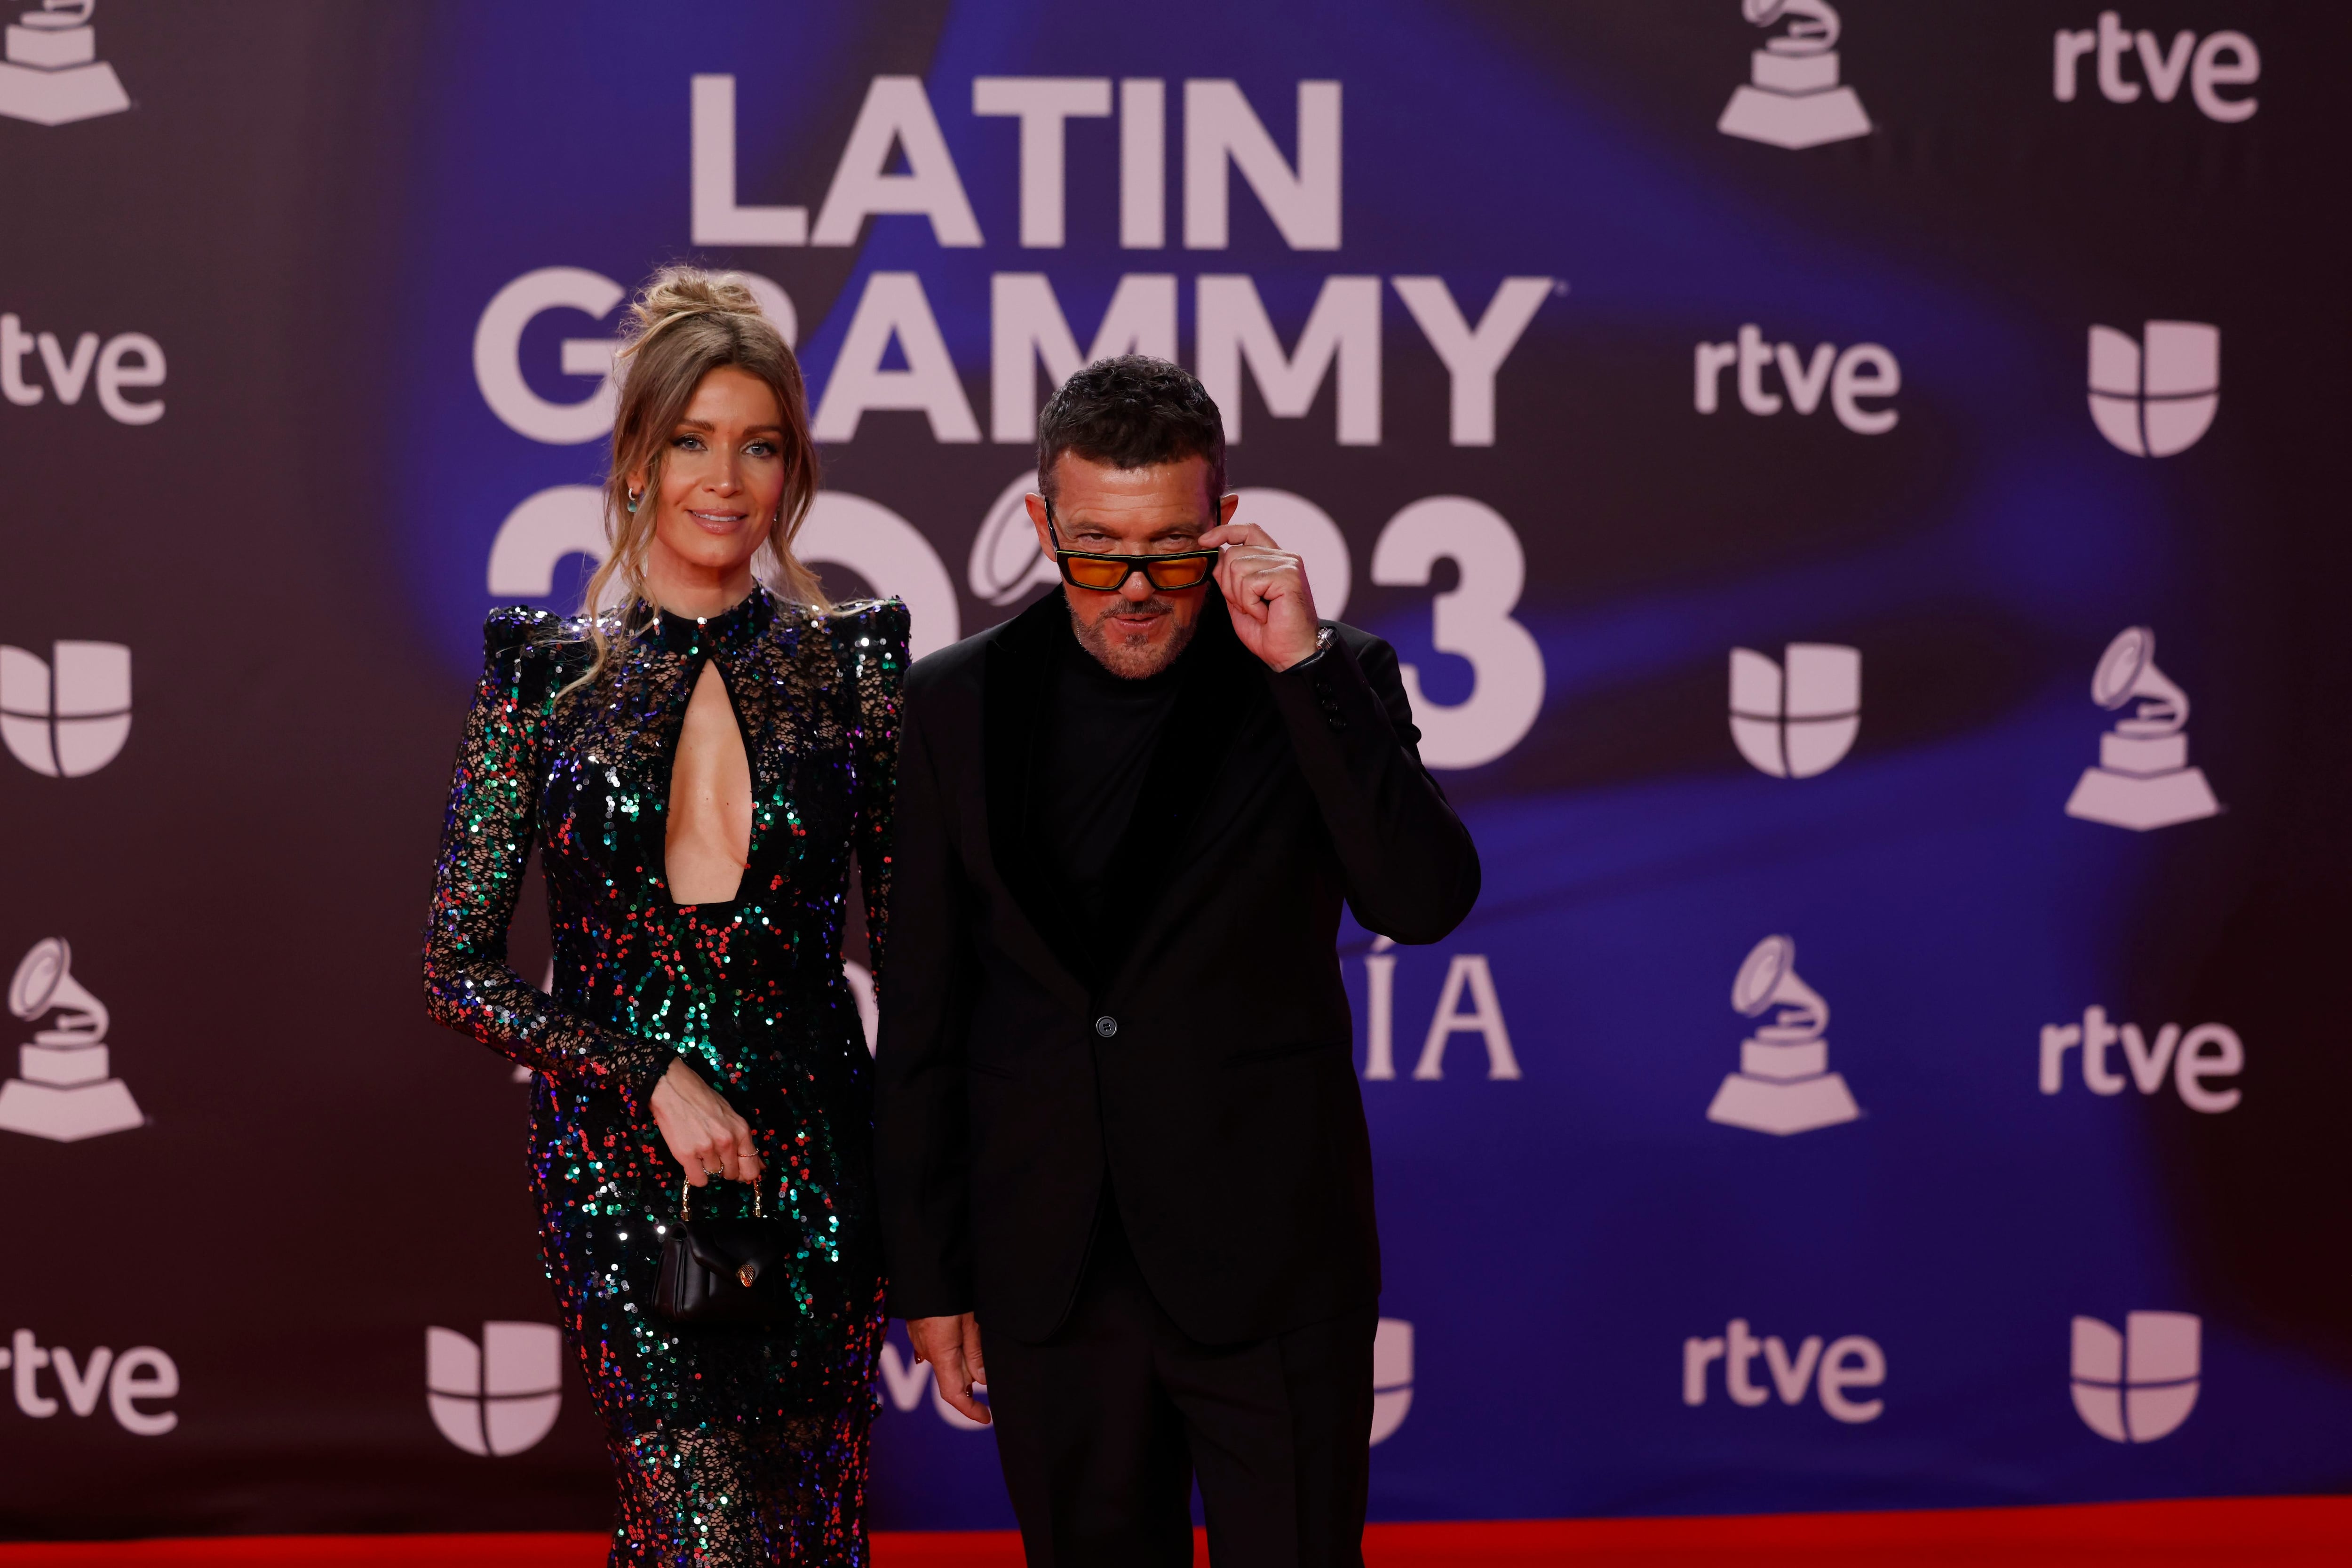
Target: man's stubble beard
{"x": 1133, "y": 663}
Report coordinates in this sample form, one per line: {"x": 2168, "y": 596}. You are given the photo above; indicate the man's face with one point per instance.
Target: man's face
{"x": 1138, "y": 630}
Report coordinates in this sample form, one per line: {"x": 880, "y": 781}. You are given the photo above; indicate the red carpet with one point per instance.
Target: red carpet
{"x": 2239, "y": 1533}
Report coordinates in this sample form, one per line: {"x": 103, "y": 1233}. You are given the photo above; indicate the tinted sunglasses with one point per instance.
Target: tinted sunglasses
{"x": 1109, "y": 573}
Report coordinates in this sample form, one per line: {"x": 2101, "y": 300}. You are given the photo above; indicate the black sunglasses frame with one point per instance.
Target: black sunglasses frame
{"x": 1134, "y": 563}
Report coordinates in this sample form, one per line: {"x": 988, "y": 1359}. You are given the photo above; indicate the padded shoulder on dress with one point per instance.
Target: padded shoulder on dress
{"x": 511, "y": 626}
{"x": 885, "y": 618}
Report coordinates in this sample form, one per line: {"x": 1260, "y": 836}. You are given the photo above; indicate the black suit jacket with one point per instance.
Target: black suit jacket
{"x": 1206, "y": 1065}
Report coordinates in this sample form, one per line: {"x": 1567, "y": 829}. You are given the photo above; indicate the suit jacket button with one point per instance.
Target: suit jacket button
{"x": 1106, "y": 1026}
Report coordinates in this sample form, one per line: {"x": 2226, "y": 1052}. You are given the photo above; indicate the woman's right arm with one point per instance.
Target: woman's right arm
{"x": 485, "y": 842}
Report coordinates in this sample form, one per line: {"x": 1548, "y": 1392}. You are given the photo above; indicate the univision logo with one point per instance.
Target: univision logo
{"x": 1799, "y": 719}
{"x": 69, "y": 715}
{"x": 2157, "y": 396}
{"x": 1392, "y": 1377}
{"x": 497, "y": 1397}
{"x": 2140, "y": 1384}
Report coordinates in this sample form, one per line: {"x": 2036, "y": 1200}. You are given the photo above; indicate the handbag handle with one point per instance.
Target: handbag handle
{"x": 686, "y": 1197}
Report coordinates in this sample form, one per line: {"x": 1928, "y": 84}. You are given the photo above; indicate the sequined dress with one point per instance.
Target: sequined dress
{"x": 730, "y": 1446}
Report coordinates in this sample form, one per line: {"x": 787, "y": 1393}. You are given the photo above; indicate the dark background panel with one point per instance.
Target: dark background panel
{"x": 309, "y": 207}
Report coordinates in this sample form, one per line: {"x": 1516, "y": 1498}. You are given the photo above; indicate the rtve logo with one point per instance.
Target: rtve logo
{"x": 126, "y": 361}
{"x": 1854, "y": 1360}
{"x": 53, "y": 75}
{"x": 2203, "y": 64}
{"x": 142, "y": 1373}
{"x": 2156, "y": 398}
{"x": 2140, "y": 1384}
{"x": 1860, "y": 371}
{"x": 67, "y": 715}
{"x": 1798, "y": 719}
{"x": 497, "y": 1397}
{"x": 2207, "y": 1051}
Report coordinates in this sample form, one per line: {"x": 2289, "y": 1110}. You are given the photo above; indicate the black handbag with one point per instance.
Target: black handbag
{"x": 726, "y": 1270}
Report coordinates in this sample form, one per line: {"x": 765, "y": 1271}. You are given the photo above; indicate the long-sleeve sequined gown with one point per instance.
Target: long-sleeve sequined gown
{"x": 731, "y": 1446}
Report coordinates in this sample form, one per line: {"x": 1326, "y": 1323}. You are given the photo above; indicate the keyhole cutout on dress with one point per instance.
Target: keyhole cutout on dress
{"x": 709, "y": 835}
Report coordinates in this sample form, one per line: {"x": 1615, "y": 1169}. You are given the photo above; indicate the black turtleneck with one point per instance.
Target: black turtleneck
{"x": 1099, "y": 733}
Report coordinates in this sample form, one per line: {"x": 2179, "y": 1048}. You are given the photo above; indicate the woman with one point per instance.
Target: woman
{"x": 697, "y": 764}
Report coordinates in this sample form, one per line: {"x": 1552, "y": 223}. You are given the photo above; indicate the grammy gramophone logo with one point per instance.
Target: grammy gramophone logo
{"x": 52, "y": 75}
{"x": 1784, "y": 1084}
{"x": 2143, "y": 779}
{"x": 1792, "y": 97}
{"x": 64, "y": 1088}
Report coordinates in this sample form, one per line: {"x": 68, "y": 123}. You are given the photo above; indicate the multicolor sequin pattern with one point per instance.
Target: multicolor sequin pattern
{"x": 729, "y": 1446}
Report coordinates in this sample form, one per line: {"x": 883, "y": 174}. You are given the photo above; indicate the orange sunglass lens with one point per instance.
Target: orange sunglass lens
{"x": 1089, "y": 573}
{"x": 1177, "y": 573}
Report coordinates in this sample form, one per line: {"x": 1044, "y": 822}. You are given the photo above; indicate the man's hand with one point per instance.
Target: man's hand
{"x": 1266, "y": 589}
{"x": 952, "y": 1347}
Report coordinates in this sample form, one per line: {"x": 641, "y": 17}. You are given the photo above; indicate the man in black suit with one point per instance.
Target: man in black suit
{"x": 1117, "y": 1123}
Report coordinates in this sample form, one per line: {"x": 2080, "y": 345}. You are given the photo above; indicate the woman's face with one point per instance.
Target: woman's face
{"x": 722, "y": 476}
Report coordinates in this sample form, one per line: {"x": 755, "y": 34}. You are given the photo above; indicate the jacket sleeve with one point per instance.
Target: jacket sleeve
{"x": 486, "y": 839}
{"x": 922, "y": 1142}
{"x": 1411, "y": 870}
{"x": 872, "y": 645}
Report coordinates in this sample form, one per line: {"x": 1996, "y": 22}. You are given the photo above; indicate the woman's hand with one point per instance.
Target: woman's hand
{"x": 704, "y": 1134}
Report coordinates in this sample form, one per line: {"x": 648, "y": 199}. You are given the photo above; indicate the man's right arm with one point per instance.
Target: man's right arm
{"x": 921, "y": 1142}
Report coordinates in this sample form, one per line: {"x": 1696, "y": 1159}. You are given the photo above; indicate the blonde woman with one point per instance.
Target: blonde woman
{"x": 699, "y": 763}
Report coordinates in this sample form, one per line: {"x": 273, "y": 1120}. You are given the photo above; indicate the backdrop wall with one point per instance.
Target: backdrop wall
{"x": 1857, "y": 495}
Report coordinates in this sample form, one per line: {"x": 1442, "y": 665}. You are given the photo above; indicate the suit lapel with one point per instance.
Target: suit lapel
{"x": 1016, "y": 683}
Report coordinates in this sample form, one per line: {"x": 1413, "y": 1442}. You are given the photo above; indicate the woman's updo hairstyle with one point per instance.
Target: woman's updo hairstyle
{"x": 684, "y": 323}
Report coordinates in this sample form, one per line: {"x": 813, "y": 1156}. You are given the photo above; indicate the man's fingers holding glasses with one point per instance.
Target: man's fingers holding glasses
{"x": 1236, "y": 534}
{"x": 1257, "y": 565}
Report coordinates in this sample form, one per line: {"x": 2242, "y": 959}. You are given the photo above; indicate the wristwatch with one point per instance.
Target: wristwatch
{"x": 1324, "y": 638}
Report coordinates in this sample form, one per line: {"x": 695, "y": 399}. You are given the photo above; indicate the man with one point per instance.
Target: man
{"x": 1123, "y": 1168}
